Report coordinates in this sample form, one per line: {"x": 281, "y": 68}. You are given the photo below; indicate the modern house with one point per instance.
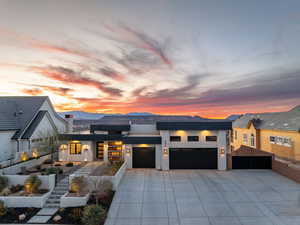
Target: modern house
{"x": 277, "y": 133}
{"x": 161, "y": 142}
{"x": 24, "y": 123}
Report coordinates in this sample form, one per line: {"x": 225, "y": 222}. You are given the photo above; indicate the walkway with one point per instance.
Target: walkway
{"x": 62, "y": 187}
{"x": 202, "y": 197}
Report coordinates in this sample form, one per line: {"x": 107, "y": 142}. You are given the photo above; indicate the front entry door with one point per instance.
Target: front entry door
{"x": 100, "y": 150}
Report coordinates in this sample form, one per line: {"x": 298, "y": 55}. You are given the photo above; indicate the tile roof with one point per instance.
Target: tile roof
{"x": 289, "y": 121}
{"x": 17, "y": 112}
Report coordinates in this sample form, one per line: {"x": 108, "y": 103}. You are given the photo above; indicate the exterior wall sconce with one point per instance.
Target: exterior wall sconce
{"x": 222, "y": 151}
{"x": 128, "y": 151}
{"x": 165, "y": 152}
{"x": 63, "y": 147}
{"x": 35, "y": 153}
{"x": 85, "y": 148}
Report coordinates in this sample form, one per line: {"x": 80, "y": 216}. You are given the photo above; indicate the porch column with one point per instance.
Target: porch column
{"x": 128, "y": 155}
{"x": 222, "y": 149}
{"x": 105, "y": 153}
{"x": 165, "y": 144}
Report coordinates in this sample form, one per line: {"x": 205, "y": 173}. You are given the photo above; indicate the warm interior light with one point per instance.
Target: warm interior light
{"x": 143, "y": 145}
{"x": 165, "y": 151}
{"x": 118, "y": 142}
{"x": 222, "y": 151}
{"x": 85, "y": 147}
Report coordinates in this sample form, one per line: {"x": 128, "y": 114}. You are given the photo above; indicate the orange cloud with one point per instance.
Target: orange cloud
{"x": 33, "y": 91}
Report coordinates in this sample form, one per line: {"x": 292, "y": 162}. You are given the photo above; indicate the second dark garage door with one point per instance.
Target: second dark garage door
{"x": 143, "y": 157}
{"x": 251, "y": 162}
{"x": 193, "y": 158}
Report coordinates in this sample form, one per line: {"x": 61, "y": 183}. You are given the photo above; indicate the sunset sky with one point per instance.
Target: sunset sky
{"x": 199, "y": 57}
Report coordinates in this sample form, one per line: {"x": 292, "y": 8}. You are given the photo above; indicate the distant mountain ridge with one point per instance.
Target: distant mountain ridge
{"x": 233, "y": 117}
{"x": 95, "y": 116}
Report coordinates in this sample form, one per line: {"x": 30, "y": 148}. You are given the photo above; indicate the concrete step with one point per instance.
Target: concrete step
{"x": 52, "y": 196}
{"x": 51, "y": 201}
{"x": 60, "y": 193}
{"x": 51, "y": 205}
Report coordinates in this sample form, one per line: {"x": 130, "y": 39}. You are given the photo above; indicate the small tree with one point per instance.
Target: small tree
{"x": 48, "y": 143}
{"x": 32, "y": 184}
{"x": 3, "y": 182}
{"x": 78, "y": 185}
{"x": 99, "y": 188}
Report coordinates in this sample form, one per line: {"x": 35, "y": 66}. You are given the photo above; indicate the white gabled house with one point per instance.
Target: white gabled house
{"x": 24, "y": 121}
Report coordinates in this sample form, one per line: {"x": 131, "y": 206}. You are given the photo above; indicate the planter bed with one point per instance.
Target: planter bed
{"x": 36, "y": 201}
{"x": 73, "y": 215}
{"x": 115, "y": 179}
{"x": 71, "y": 200}
{"x": 12, "y": 215}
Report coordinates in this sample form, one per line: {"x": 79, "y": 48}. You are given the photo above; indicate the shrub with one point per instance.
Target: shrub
{"x": 53, "y": 170}
{"x": 5, "y": 192}
{"x": 93, "y": 215}
{"x": 70, "y": 164}
{"x": 32, "y": 184}
{"x": 48, "y": 161}
{"x": 3, "y": 182}
{"x": 38, "y": 167}
{"x": 78, "y": 185}
{"x": 16, "y": 188}
{"x": 57, "y": 164}
{"x": 116, "y": 166}
{"x": 76, "y": 213}
{"x": 3, "y": 209}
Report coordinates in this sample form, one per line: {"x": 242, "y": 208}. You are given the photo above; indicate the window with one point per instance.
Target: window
{"x": 235, "y": 135}
{"x": 287, "y": 142}
{"x": 252, "y": 140}
{"x": 211, "y": 138}
{"x": 245, "y": 138}
{"x": 279, "y": 140}
{"x": 193, "y": 138}
{"x": 75, "y": 148}
{"x": 272, "y": 139}
{"x": 175, "y": 138}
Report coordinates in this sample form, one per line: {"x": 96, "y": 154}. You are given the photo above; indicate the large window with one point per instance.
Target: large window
{"x": 75, "y": 148}
{"x": 272, "y": 139}
{"x": 252, "y": 140}
{"x": 193, "y": 138}
{"x": 175, "y": 138}
{"x": 211, "y": 138}
{"x": 245, "y": 138}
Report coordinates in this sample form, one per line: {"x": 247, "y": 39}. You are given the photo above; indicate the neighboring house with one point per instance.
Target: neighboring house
{"x": 277, "y": 133}
{"x": 161, "y": 142}
{"x": 24, "y": 122}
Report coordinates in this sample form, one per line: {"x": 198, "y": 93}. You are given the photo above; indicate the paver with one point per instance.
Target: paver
{"x": 205, "y": 197}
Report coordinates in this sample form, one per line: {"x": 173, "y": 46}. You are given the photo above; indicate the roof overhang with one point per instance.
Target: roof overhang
{"x": 142, "y": 140}
{"x": 109, "y": 127}
{"x": 90, "y": 137}
{"x": 224, "y": 125}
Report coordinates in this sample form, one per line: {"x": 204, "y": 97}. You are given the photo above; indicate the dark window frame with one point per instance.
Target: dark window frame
{"x": 175, "y": 138}
{"x": 190, "y": 139}
{"x": 211, "y": 138}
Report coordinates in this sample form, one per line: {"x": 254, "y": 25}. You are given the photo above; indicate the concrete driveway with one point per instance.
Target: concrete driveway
{"x": 202, "y": 197}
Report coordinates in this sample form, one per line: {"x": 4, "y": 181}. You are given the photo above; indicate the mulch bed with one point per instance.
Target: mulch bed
{"x": 73, "y": 215}
{"x": 12, "y": 215}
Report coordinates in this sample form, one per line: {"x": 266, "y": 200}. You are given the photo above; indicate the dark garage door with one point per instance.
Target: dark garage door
{"x": 143, "y": 157}
{"x": 193, "y": 158}
{"x": 251, "y": 162}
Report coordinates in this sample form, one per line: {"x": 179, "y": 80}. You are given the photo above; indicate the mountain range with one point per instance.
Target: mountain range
{"x": 95, "y": 116}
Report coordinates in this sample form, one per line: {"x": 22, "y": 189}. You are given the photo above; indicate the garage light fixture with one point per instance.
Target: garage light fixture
{"x": 85, "y": 147}
{"x": 222, "y": 151}
{"x": 127, "y": 150}
{"x": 165, "y": 152}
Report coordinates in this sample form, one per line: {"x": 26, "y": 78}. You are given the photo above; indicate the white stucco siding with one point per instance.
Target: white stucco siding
{"x": 61, "y": 126}
{"x": 184, "y": 143}
{"x": 143, "y": 130}
{"x": 7, "y": 146}
{"x": 44, "y": 129}
{"x": 86, "y": 155}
